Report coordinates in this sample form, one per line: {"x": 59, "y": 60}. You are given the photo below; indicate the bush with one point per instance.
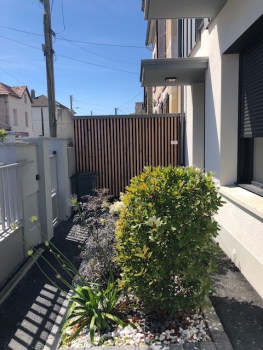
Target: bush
{"x": 164, "y": 237}
{"x": 99, "y": 227}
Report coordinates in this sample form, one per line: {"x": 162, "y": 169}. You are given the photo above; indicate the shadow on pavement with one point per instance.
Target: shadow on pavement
{"x": 239, "y": 307}
{"x": 28, "y": 313}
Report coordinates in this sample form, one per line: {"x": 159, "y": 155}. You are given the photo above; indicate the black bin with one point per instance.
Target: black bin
{"x": 84, "y": 184}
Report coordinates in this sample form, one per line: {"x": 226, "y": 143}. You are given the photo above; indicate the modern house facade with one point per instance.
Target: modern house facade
{"x": 162, "y": 36}
{"x": 15, "y": 109}
{"x": 220, "y": 71}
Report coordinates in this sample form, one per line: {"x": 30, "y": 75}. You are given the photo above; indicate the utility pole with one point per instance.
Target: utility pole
{"x": 71, "y": 101}
{"x": 116, "y": 111}
{"x": 48, "y": 53}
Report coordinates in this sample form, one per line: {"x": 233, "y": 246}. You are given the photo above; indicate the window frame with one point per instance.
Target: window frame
{"x": 245, "y": 164}
{"x": 26, "y": 119}
{"x": 15, "y": 117}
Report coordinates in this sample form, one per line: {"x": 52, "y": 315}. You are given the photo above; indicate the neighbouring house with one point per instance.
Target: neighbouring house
{"x": 40, "y": 117}
{"x": 220, "y": 71}
{"x": 139, "y": 108}
{"x": 162, "y": 36}
{"x": 15, "y": 109}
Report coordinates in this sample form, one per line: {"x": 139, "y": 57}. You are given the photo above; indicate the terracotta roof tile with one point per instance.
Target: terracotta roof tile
{"x": 42, "y": 101}
{"x": 7, "y": 90}
{"x": 16, "y": 91}
{"x": 19, "y": 90}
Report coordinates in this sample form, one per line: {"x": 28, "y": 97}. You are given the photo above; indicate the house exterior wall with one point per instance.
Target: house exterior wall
{"x": 160, "y": 92}
{"x": 21, "y": 107}
{"x": 4, "y": 112}
{"x": 64, "y": 122}
{"x": 37, "y": 121}
{"x": 241, "y": 217}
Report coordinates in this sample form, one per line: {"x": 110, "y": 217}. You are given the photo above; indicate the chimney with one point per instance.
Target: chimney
{"x": 33, "y": 95}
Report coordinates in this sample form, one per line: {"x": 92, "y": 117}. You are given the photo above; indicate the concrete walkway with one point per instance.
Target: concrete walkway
{"x": 27, "y": 315}
{"x": 29, "y": 312}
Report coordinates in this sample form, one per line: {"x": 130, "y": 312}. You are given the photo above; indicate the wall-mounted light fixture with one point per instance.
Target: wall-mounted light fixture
{"x": 171, "y": 79}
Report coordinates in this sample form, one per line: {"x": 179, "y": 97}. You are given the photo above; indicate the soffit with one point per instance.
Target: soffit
{"x": 169, "y": 9}
{"x": 187, "y": 71}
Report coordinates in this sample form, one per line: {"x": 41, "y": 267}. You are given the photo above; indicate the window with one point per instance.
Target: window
{"x": 166, "y": 104}
{"x": 25, "y": 98}
{"x": 161, "y": 38}
{"x": 15, "y": 116}
{"x": 189, "y": 33}
{"x": 26, "y": 119}
{"x": 250, "y": 164}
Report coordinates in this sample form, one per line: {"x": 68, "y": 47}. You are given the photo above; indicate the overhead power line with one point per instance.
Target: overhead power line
{"x": 97, "y": 65}
{"x": 130, "y": 99}
{"x": 78, "y": 41}
{"x": 71, "y": 58}
{"x": 108, "y": 58}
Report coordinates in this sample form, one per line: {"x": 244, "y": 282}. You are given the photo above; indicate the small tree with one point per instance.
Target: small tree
{"x": 165, "y": 237}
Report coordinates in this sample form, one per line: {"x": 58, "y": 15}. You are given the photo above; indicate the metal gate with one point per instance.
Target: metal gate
{"x": 118, "y": 147}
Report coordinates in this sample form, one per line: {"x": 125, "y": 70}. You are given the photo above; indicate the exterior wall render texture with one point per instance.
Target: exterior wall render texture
{"x": 4, "y": 112}
{"x": 21, "y": 107}
{"x": 171, "y": 52}
{"x": 241, "y": 239}
{"x": 241, "y": 232}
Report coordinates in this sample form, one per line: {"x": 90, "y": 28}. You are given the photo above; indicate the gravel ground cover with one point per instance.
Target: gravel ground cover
{"x": 182, "y": 328}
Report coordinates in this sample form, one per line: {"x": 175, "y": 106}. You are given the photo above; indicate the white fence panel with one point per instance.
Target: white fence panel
{"x": 11, "y": 201}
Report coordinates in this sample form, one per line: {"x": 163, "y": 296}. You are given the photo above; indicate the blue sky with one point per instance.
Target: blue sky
{"x": 93, "y": 86}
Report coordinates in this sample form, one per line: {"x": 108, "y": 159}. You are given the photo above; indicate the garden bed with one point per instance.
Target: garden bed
{"x": 155, "y": 244}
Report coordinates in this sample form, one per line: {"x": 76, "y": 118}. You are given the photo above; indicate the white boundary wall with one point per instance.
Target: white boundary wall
{"x": 36, "y": 193}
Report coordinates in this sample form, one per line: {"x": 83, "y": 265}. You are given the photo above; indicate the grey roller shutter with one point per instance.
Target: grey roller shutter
{"x": 251, "y": 98}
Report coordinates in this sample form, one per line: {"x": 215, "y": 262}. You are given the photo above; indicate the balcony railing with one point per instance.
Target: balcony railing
{"x": 11, "y": 203}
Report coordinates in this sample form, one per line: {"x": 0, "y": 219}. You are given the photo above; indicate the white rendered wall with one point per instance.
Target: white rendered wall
{"x": 64, "y": 122}
{"x": 242, "y": 240}
{"x": 37, "y": 121}
{"x": 64, "y": 181}
{"x": 241, "y": 229}
{"x": 30, "y": 186}
{"x": 221, "y": 89}
{"x": 21, "y": 107}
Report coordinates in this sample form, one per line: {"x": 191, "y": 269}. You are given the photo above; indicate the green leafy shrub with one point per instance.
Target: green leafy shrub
{"x": 164, "y": 237}
{"x": 3, "y": 135}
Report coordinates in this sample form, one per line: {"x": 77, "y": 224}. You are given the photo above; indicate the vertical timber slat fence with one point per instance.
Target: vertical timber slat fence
{"x": 118, "y": 147}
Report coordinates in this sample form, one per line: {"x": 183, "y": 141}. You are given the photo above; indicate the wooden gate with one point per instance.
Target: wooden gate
{"x": 118, "y": 147}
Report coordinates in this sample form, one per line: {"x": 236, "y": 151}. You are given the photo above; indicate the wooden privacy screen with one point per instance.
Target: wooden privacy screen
{"x": 118, "y": 147}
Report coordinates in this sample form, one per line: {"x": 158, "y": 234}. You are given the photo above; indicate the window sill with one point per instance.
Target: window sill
{"x": 246, "y": 199}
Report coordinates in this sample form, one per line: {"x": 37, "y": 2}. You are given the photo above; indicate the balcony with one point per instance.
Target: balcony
{"x": 169, "y": 9}
{"x": 173, "y": 71}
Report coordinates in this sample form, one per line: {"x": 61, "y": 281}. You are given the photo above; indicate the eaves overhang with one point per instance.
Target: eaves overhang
{"x": 169, "y": 9}
{"x": 173, "y": 71}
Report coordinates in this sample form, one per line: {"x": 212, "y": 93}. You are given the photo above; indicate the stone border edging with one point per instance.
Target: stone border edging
{"x": 220, "y": 339}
